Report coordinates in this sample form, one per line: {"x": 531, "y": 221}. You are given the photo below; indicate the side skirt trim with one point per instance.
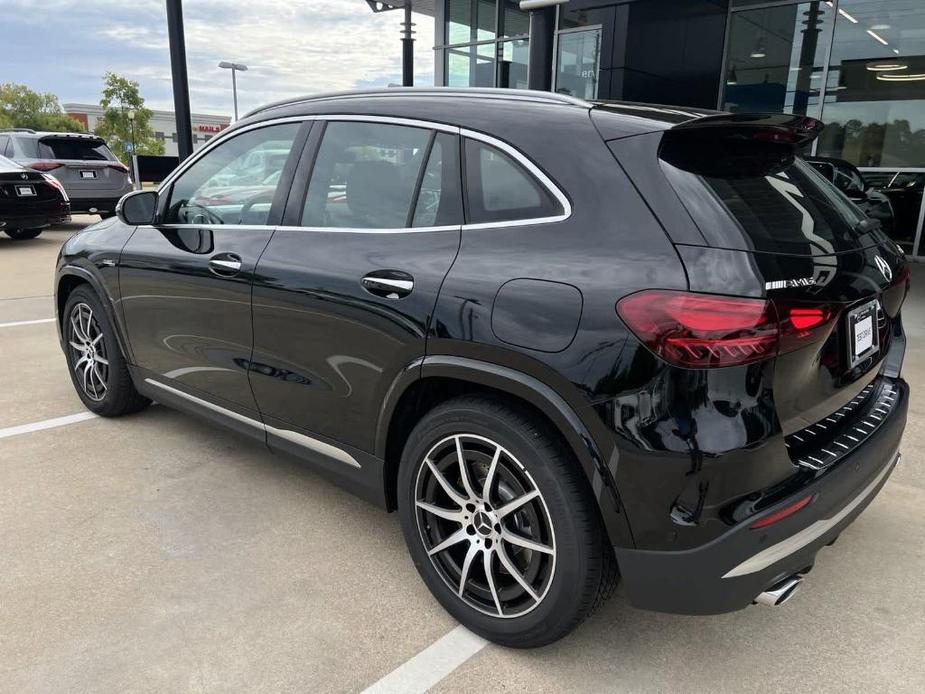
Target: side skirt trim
{"x": 295, "y": 437}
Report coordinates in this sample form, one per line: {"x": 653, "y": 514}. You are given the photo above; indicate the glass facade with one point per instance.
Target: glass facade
{"x": 858, "y": 65}
{"x": 487, "y": 44}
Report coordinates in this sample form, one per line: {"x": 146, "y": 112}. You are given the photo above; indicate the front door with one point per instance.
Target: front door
{"x": 186, "y": 281}
{"x": 344, "y": 291}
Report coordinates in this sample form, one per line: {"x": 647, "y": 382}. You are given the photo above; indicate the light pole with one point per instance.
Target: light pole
{"x": 131, "y": 120}
{"x": 234, "y": 67}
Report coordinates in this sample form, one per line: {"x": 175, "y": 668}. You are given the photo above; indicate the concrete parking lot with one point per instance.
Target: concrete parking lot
{"x": 158, "y": 553}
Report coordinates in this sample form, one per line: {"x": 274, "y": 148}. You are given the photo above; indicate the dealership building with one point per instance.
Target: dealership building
{"x": 163, "y": 123}
{"x": 858, "y": 65}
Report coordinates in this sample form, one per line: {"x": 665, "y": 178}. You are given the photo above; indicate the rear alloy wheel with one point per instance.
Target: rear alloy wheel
{"x": 98, "y": 369}
{"x": 501, "y": 522}
{"x": 23, "y": 234}
{"x": 492, "y": 541}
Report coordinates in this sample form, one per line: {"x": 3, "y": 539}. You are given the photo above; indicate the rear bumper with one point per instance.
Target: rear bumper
{"x": 34, "y": 218}
{"x": 94, "y": 204}
{"x": 727, "y": 573}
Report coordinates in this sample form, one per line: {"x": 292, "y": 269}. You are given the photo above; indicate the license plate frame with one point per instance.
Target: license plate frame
{"x": 25, "y": 191}
{"x": 87, "y": 174}
{"x": 863, "y": 333}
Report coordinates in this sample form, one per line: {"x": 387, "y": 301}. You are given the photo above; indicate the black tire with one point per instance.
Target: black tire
{"x": 117, "y": 395}
{"x": 22, "y": 234}
{"x": 583, "y": 573}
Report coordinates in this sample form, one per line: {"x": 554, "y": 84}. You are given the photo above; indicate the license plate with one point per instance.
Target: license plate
{"x": 25, "y": 191}
{"x": 863, "y": 336}
{"x": 88, "y": 174}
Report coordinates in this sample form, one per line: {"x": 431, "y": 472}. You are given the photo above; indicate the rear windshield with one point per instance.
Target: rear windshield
{"x": 84, "y": 150}
{"x": 760, "y": 196}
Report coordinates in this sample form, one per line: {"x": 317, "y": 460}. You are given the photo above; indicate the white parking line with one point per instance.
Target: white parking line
{"x": 431, "y": 665}
{"x": 46, "y": 424}
{"x": 26, "y": 322}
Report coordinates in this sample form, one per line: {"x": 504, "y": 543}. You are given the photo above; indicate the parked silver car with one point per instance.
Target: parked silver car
{"x": 90, "y": 173}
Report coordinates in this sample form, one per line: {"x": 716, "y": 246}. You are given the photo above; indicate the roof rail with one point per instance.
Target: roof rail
{"x": 463, "y": 92}
{"x": 17, "y": 130}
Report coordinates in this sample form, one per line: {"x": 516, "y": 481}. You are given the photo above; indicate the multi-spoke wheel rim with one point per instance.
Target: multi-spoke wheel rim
{"x": 89, "y": 360}
{"x": 485, "y": 525}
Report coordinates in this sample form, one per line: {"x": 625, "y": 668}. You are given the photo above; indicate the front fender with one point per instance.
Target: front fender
{"x": 88, "y": 272}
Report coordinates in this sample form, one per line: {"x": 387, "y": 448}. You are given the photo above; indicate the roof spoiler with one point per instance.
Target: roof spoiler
{"x": 72, "y": 136}
{"x": 783, "y": 128}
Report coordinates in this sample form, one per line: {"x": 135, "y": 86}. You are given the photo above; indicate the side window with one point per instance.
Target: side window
{"x": 365, "y": 176}
{"x": 500, "y": 190}
{"x": 234, "y": 183}
{"x": 439, "y": 201}
{"x": 6, "y": 146}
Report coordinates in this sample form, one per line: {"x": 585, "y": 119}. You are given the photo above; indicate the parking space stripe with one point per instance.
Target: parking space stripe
{"x": 431, "y": 665}
{"x": 46, "y": 424}
{"x": 26, "y": 322}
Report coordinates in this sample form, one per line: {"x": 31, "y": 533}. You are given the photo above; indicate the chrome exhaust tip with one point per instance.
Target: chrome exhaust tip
{"x": 779, "y": 593}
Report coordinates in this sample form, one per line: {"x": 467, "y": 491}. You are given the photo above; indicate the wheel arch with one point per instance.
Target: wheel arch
{"x": 440, "y": 378}
{"x": 69, "y": 278}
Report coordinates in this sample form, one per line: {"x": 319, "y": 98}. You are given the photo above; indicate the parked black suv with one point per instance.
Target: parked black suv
{"x": 565, "y": 341}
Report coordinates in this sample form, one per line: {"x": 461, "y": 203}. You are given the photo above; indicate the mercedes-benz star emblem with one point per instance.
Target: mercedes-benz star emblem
{"x": 482, "y": 523}
{"x": 883, "y": 267}
{"x": 24, "y": 176}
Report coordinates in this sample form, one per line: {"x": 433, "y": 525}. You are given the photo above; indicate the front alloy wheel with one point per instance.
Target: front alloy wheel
{"x": 485, "y": 525}
{"x": 97, "y": 368}
{"x": 88, "y": 352}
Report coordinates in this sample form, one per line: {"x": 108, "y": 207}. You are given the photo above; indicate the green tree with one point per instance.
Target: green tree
{"x": 20, "y": 107}
{"x": 121, "y": 100}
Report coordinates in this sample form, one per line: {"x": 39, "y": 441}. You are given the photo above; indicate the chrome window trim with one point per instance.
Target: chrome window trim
{"x": 232, "y": 227}
{"x": 216, "y": 141}
{"x": 537, "y": 173}
{"x": 395, "y": 230}
{"x": 508, "y": 149}
{"x": 295, "y": 437}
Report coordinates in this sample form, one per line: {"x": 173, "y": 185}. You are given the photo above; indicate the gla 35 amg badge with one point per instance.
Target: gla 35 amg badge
{"x": 410, "y": 323}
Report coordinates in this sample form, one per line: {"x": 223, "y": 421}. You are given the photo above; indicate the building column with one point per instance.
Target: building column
{"x": 542, "y": 38}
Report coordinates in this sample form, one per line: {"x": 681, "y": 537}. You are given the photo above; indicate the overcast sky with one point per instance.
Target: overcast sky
{"x": 292, "y": 47}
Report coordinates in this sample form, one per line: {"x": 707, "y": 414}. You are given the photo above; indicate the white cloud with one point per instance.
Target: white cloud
{"x": 291, "y": 47}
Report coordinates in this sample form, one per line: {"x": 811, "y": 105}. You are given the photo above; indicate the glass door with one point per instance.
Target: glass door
{"x": 578, "y": 61}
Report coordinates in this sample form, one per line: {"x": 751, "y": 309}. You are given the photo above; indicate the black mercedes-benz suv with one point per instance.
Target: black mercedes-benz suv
{"x": 567, "y": 341}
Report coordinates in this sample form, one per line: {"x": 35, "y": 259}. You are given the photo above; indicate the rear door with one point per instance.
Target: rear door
{"x": 345, "y": 290}
{"x": 186, "y": 281}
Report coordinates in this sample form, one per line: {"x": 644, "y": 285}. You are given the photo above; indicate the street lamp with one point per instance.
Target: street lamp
{"x": 131, "y": 120}
{"x": 234, "y": 67}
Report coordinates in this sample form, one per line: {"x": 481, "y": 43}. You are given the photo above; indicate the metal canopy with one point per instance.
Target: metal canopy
{"x": 422, "y": 6}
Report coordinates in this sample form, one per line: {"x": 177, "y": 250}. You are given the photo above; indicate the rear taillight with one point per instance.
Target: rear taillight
{"x": 118, "y": 167}
{"x": 45, "y": 165}
{"x": 707, "y": 331}
{"x": 55, "y": 183}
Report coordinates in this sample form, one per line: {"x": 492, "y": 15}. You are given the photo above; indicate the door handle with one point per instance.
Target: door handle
{"x": 390, "y": 284}
{"x": 225, "y": 264}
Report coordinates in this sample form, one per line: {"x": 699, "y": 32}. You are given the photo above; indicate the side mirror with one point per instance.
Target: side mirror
{"x": 138, "y": 207}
